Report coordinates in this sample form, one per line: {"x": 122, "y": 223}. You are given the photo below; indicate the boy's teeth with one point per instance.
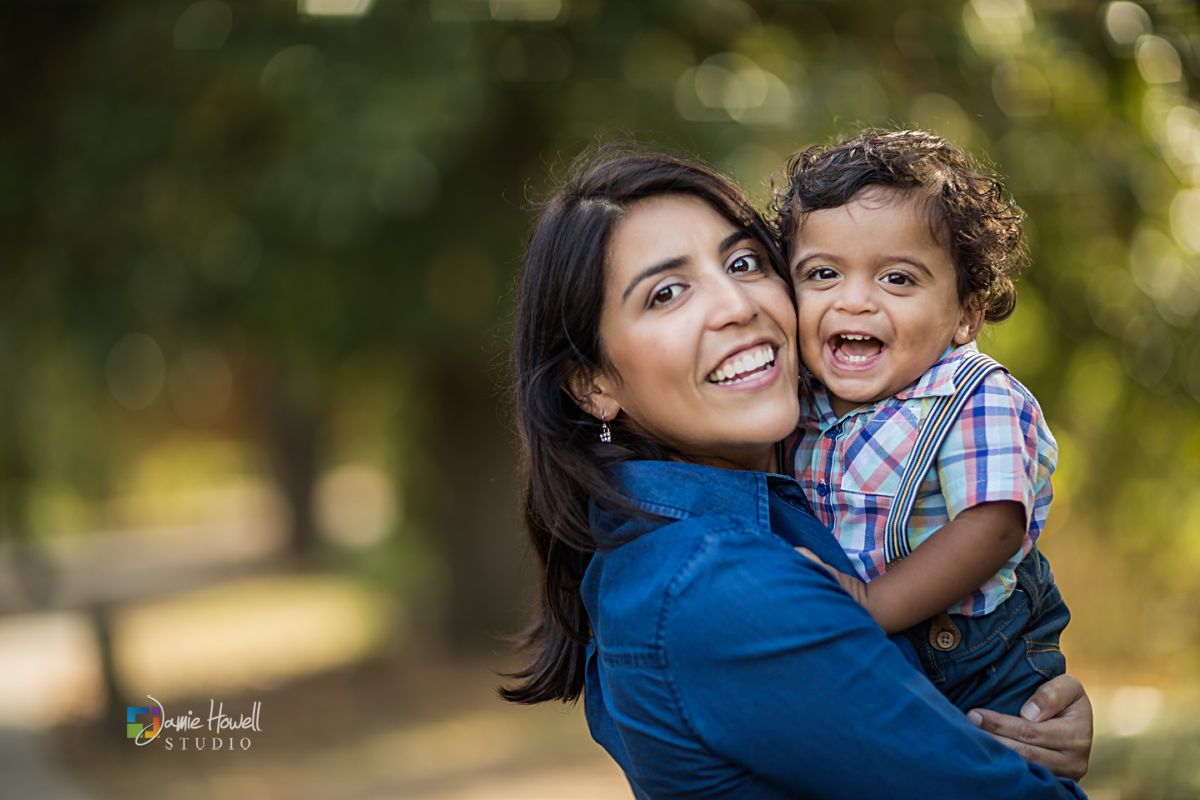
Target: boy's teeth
{"x": 856, "y": 348}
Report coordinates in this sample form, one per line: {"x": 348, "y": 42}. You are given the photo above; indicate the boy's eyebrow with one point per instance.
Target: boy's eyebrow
{"x": 811, "y": 256}
{"x": 671, "y": 263}
{"x": 916, "y": 262}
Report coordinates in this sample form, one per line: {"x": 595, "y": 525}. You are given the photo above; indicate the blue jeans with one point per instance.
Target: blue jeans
{"x": 997, "y": 660}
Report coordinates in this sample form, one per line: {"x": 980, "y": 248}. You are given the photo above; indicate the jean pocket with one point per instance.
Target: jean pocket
{"x": 1045, "y": 658}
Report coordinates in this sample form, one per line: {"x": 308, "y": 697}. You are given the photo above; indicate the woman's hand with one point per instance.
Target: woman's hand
{"x": 851, "y": 583}
{"x": 1054, "y": 729}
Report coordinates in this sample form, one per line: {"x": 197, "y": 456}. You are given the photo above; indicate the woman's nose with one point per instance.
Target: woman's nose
{"x": 731, "y": 303}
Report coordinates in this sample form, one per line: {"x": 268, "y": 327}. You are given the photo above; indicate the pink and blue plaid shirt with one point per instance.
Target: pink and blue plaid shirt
{"x": 1000, "y": 449}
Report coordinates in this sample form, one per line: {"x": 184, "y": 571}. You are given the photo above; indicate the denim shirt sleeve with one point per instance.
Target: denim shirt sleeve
{"x": 775, "y": 668}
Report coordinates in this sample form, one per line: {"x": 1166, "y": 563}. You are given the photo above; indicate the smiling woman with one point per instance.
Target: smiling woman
{"x": 655, "y": 371}
{"x": 699, "y": 332}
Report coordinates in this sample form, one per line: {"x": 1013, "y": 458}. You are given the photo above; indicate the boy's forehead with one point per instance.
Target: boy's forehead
{"x": 874, "y": 197}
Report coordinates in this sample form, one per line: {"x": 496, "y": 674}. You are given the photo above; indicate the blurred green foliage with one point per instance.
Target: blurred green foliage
{"x": 296, "y": 230}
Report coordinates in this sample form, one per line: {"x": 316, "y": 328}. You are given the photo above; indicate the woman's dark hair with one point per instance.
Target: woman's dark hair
{"x": 968, "y": 208}
{"x": 560, "y": 293}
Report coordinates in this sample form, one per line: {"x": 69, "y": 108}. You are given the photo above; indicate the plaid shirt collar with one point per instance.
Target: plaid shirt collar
{"x": 937, "y": 381}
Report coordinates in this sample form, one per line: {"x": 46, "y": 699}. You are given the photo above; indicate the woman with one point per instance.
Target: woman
{"x": 656, "y": 370}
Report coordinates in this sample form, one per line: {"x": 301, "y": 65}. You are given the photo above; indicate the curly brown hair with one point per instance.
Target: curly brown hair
{"x": 968, "y": 207}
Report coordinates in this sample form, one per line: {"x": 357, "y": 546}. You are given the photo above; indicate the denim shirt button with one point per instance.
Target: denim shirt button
{"x": 823, "y": 489}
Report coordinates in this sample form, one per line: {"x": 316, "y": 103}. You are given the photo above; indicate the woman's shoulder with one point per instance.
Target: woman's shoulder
{"x": 701, "y": 571}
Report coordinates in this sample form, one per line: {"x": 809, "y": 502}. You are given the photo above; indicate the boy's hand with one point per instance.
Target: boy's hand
{"x": 851, "y": 583}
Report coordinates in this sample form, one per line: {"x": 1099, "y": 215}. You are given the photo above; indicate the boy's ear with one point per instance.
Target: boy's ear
{"x": 593, "y": 392}
{"x": 970, "y": 320}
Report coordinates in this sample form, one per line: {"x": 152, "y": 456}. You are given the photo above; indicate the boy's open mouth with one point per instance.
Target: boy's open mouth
{"x": 854, "y": 348}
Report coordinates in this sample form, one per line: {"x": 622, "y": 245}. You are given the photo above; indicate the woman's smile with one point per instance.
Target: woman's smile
{"x": 749, "y": 367}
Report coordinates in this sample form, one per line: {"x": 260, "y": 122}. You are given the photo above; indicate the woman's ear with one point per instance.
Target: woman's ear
{"x": 592, "y": 392}
{"x": 970, "y": 320}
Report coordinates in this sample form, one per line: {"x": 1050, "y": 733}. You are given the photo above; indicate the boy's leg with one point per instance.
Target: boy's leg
{"x": 997, "y": 661}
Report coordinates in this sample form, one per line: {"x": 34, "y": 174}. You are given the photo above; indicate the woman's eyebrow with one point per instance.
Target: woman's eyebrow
{"x": 651, "y": 271}
{"x": 671, "y": 263}
{"x": 732, "y": 239}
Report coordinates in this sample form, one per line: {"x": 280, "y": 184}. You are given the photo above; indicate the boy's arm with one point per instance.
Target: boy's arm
{"x": 954, "y": 561}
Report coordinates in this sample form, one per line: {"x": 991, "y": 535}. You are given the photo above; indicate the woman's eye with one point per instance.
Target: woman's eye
{"x": 744, "y": 263}
{"x": 665, "y": 295}
{"x": 897, "y": 279}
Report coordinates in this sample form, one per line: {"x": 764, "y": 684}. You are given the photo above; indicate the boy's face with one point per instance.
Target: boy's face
{"x": 877, "y": 296}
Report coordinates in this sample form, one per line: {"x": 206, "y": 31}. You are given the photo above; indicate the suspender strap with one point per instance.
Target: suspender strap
{"x": 943, "y": 413}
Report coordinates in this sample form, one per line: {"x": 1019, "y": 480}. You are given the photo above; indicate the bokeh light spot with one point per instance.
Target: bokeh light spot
{"x": 1125, "y": 22}
{"x": 1158, "y": 60}
{"x": 291, "y": 73}
{"x": 334, "y": 8}
{"x": 939, "y": 113}
{"x": 525, "y": 10}
{"x": 1147, "y": 350}
{"x": 204, "y": 25}
{"x": 997, "y": 25}
{"x": 1132, "y": 709}
{"x": 405, "y": 184}
{"x": 1020, "y": 89}
{"x": 135, "y": 369}
{"x": 356, "y": 505}
{"x": 1185, "y": 219}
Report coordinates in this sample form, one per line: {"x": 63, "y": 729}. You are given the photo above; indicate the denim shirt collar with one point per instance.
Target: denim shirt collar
{"x": 677, "y": 490}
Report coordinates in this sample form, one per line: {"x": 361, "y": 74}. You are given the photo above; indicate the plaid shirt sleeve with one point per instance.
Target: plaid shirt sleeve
{"x": 1000, "y": 449}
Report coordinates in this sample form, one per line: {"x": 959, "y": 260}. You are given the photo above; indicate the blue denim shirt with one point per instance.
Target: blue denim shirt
{"x": 725, "y": 664}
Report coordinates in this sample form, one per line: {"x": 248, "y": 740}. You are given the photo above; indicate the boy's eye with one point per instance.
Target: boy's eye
{"x": 746, "y": 262}
{"x": 897, "y": 279}
{"x": 822, "y": 274}
{"x": 665, "y": 295}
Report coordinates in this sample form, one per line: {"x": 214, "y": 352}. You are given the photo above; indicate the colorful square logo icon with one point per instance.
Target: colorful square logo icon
{"x": 142, "y": 723}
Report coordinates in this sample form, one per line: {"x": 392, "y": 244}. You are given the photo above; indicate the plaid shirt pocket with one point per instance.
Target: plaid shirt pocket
{"x": 874, "y": 457}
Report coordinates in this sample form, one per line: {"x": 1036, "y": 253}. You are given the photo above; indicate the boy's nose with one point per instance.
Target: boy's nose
{"x": 856, "y": 297}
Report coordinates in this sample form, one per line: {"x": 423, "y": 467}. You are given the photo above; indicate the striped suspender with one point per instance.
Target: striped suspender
{"x": 942, "y": 415}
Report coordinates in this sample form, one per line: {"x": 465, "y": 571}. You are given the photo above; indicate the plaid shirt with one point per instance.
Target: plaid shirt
{"x": 1000, "y": 449}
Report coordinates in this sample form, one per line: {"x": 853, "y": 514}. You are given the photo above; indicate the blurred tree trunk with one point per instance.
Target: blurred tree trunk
{"x": 288, "y": 423}
{"x": 470, "y": 500}
{"x": 294, "y": 455}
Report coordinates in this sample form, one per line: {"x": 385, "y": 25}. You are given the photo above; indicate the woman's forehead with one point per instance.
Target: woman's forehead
{"x": 669, "y": 222}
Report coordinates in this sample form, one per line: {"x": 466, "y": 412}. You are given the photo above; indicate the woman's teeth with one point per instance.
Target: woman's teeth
{"x": 742, "y": 366}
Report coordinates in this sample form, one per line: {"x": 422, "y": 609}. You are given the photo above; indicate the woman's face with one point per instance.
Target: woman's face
{"x": 699, "y": 332}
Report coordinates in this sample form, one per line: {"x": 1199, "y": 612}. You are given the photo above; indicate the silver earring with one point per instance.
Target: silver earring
{"x": 605, "y": 432}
